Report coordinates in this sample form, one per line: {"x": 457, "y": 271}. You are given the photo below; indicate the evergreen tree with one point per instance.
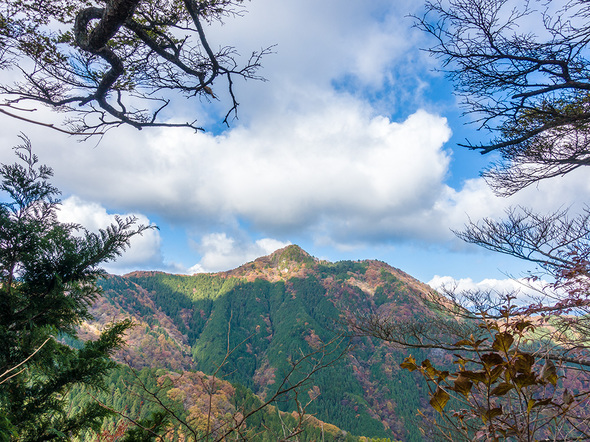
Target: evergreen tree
{"x": 48, "y": 271}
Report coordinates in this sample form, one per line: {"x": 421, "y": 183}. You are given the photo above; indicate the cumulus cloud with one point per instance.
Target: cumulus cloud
{"x": 311, "y": 156}
{"x": 221, "y": 252}
{"x": 520, "y": 285}
{"x": 337, "y": 173}
{"x": 144, "y": 252}
{"x": 336, "y": 167}
{"x": 524, "y": 291}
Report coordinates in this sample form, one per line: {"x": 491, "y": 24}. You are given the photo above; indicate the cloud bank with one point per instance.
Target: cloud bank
{"x": 346, "y": 145}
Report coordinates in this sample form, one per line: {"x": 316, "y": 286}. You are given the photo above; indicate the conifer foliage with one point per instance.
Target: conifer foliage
{"x": 48, "y": 271}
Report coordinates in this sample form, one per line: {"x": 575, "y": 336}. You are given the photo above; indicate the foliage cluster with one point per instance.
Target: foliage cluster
{"x": 48, "y": 272}
{"x": 288, "y": 319}
{"x": 503, "y": 391}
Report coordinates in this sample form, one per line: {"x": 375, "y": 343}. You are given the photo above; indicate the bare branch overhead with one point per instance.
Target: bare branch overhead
{"x": 114, "y": 62}
{"x": 522, "y": 71}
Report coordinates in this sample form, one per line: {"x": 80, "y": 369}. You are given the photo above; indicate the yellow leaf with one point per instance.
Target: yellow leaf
{"x": 439, "y": 399}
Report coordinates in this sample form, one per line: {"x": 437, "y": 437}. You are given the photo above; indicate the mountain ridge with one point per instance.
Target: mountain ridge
{"x": 281, "y": 305}
{"x": 287, "y": 262}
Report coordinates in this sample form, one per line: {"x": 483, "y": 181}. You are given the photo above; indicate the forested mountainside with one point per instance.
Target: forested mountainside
{"x": 271, "y": 313}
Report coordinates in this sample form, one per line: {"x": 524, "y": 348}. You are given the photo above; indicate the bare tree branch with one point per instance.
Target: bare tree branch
{"x": 119, "y": 61}
{"x": 529, "y": 89}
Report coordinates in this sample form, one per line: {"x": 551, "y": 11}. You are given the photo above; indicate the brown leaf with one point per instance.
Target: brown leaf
{"x": 523, "y": 363}
{"x": 549, "y": 372}
{"x": 409, "y": 364}
{"x": 494, "y": 412}
{"x": 542, "y": 403}
{"x": 530, "y": 405}
{"x": 502, "y": 389}
{"x": 439, "y": 399}
{"x": 479, "y": 342}
{"x": 464, "y": 342}
{"x": 524, "y": 380}
{"x": 478, "y": 376}
{"x": 491, "y": 359}
{"x": 568, "y": 398}
{"x": 463, "y": 386}
{"x": 487, "y": 415}
{"x": 496, "y": 373}
{"x": 503, "y": 342}
{"x": 430, "y": 370}
{"x": 520, "y": 326}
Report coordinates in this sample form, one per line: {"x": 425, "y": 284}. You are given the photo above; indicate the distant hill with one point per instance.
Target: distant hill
{"x": 282, "y": 306}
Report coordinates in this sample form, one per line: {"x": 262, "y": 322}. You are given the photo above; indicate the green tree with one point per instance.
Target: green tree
{"x": 48, "y": 271}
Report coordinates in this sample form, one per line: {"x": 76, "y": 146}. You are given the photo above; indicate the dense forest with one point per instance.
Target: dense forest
{"x": 289, "y": 347}
{"x": 276, "y": 312}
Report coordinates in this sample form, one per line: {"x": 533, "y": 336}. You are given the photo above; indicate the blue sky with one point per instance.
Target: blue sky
{"x": 348, "y": 150}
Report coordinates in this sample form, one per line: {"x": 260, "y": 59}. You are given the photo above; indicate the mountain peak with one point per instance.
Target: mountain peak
{"x": 286, "y": 260}
{"x": 290, "y": 254}
{"x": 282, "y": 263}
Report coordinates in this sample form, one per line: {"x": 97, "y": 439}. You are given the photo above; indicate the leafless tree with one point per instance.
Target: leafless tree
{"x": 112, "y": 62}
{"x": 555, "y": 294}
{"x": 522, "y": 71}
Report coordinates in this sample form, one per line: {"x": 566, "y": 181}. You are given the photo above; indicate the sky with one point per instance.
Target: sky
{"x": 349, "y": 149}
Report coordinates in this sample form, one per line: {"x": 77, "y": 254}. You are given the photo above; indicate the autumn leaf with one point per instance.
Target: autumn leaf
{"x": 530, "y": 405}
{"x": 568, "y": 397}
{"x": 464, "y": 342}
{"x": 490, "y": 359}
{"x": 542, "y": 403}
{"x": 524, "y": 362}
{"x": 520, "y": 326}
{"x": 503, "y": 342}
{"x": 409, "y": 364}
{"x": 549, "y": 372}
{"x": 432, "y": 372}
{"x": 495, "y": 374}
{"x": 439, "y": 399}
{"x": 463, "y": 386}
{"x": 524, "y": 380}
{"x": 502, "y": 389}
{"x": 478, "y": 376}
{"x": 494, "y": 412}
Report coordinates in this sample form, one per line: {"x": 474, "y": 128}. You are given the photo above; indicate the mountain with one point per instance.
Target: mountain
{"x": 269, "y": 313}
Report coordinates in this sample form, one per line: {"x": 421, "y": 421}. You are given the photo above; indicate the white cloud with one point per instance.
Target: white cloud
{"x": 307, "y": 159}
{"x": 499, "y": 285}
{"x": 144, "y": 251}
{"x": 334, "y": 171}
{"x": 523, "y": 290}
{"x": 335, "y": 164}
{"x": 220, "y": 252}
{"x": 316, "y": 42}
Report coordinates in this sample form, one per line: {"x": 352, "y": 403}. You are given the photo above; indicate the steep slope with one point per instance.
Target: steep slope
{"x": 271, "y": 312}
